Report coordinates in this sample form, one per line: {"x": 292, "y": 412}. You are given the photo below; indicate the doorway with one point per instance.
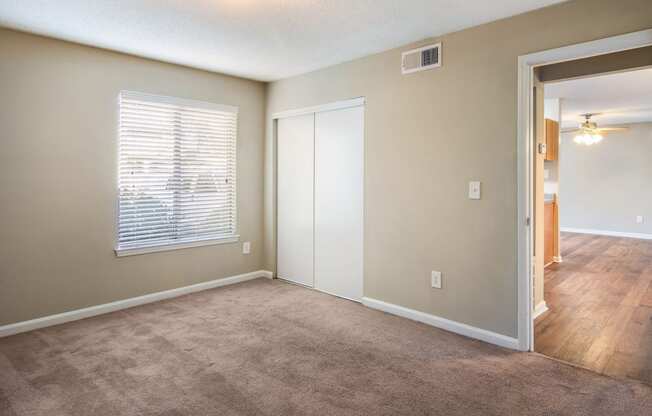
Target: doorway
{"x": 540, "y": 245}
{"x": 597, "y": 286}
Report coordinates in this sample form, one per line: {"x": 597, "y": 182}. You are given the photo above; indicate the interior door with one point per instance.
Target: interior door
{"x": 295, "y": 199}
{"x": 339, "y": 195}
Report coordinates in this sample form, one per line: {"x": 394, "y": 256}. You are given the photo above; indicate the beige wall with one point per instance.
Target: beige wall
{"x": 605, "y": 186}
{"x": 427, "y": 135}
{"x": 58, "y": 130}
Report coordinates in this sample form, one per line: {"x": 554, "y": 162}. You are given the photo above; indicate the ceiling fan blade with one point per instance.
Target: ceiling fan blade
{"x": 569, "y": 130}
{"x": 607, "y": 129}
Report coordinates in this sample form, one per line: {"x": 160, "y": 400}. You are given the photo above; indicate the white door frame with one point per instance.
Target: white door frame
{"x": 525, "y": 152}
{"x": 337, "y": 105}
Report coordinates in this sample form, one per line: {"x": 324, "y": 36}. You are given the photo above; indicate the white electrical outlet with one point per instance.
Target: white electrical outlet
{"x": 435, "y": 279}
{"x": 246, "y": 247}
{"x": 640, "y": 219}
{"x": 475, "y": 189}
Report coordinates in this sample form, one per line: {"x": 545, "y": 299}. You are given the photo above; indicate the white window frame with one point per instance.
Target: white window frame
{"x": 166, "y": 246}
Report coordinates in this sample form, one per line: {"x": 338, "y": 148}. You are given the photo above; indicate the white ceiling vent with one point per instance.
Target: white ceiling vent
{"x": 420, "y": 59}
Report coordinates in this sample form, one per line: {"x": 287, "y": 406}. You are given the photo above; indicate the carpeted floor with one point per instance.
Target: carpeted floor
{"x": 270, "y": 348}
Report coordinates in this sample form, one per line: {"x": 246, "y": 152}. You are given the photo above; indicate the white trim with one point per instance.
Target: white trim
{"x": 557, "y": 259}
{"x": 541, "y": 308}
{"x": 525, "y": 215}
{"x": 123, "y": 252}
{"x": 640, "y": 236}
{"x": 267, "y": 274}
{"x": 442, "y": 323}
{"x": 75, "y": 315}
{"x": 184, "y": 102}
{"x": 337, "y": 105}
{"x": 526, "y": 64}
{"x": 593, "y": 48}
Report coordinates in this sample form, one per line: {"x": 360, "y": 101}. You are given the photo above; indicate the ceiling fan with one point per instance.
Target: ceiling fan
{"x": 589, "y": 133}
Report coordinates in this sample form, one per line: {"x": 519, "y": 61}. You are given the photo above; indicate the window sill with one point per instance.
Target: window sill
{"x": 123, "y": 252}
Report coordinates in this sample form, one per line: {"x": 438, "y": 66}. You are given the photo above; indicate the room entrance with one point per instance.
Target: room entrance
{"x": 590, "y": 252}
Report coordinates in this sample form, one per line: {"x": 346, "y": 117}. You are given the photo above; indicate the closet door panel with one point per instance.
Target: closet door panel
{"x": 339, "y": 194}
{"x": 295, "y": 199}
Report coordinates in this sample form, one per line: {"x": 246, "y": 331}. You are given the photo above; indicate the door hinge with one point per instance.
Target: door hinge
{"x": 542, "y": 148}
{"x": 527, "y": 221}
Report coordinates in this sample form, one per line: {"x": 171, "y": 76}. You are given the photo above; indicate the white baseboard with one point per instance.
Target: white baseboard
{"x": 540, "y": 309}
{"x": 557, "y": 259}
{"x": 436, "y": 321}
{"x": 641, "y": 236}
{"x": 75, "y": 315}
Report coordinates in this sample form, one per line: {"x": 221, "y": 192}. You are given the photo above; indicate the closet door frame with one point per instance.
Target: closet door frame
{"x": 337, "y": 105}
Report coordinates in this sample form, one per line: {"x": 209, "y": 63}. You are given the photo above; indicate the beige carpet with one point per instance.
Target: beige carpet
{"x": 269, "y": 348}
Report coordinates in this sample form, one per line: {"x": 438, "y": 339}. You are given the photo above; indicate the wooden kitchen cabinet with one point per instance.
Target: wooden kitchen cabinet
{"x": 552, "y": 139}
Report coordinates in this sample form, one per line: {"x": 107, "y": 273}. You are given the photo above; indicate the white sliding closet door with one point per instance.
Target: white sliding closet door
{"x": 339, "y": 194}
{"x": 295, "y": 199}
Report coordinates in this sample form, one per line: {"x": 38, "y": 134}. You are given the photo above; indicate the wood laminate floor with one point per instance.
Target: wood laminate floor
{"x": 600, "y": 306}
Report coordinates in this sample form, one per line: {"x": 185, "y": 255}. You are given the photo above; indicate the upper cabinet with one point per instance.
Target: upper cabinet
{"x": 552, "y": 139}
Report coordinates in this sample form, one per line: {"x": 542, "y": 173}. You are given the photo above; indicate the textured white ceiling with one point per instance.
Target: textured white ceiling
{"x": 259, "y": 39}
{"x": 622, "y": 98}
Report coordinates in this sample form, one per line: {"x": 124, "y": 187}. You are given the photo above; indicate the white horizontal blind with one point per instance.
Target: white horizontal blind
{"x": 177, "y": 171}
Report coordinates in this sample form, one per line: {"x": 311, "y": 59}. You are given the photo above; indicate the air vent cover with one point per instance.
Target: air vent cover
{"x": 420, "y": 59}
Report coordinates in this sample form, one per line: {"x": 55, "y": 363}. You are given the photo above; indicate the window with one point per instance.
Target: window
{"x": 177, "y": 173}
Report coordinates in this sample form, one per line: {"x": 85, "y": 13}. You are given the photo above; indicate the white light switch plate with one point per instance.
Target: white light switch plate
{"x": 246, "y": 247}
{"x": 640, "y": 219}
{"x": 435, "y": 279}
{"x": 475, "y": 189}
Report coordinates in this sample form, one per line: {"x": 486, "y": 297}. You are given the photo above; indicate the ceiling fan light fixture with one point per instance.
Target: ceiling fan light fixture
{"x": 588, "y": 139}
